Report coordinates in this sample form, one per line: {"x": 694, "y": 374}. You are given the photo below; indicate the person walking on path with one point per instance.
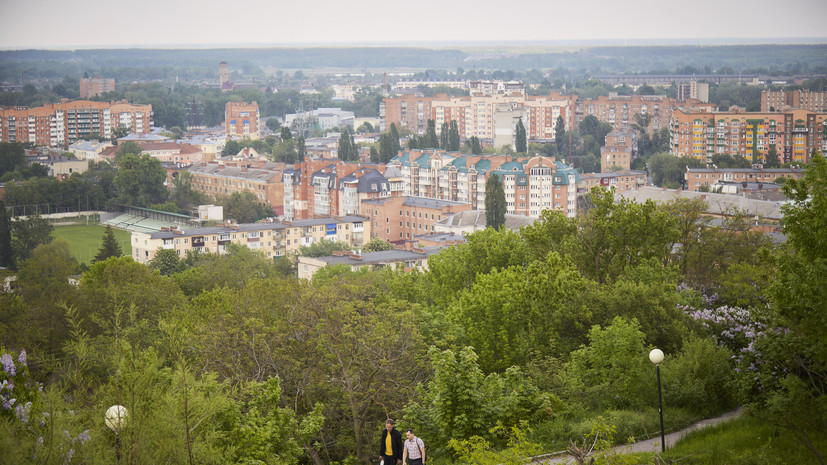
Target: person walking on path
{"x": 390, "y": 448}
{"x": 414, "y": 449}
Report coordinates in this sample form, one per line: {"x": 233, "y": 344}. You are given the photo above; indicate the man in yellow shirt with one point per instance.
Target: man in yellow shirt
{"x": 390, "y": 448}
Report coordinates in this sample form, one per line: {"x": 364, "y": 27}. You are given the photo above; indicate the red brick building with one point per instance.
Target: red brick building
{"x": 241, "y": 120}
{"x": 402, "y": 218}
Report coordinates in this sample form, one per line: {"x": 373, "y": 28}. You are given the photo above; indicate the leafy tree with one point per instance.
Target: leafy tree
{"x": 495, "y": 206}
{"x": 27, "y": 234}
{"x": 244, "y": 207}
{"x": 12, "y": 157}
{"x": 44, "y": 287}
{"x": 611, "y": 371}
{"x": 286, "y": 134}
{"x": 591, "y": 126}
{"x": 231, "y": 147}
{"x": 520, "y": 138}
{"x": 365, "y": 127}
{"x": 374, "y": 154}
{"x": 128, "y": 147}
{"x": 473, "y": 144}
{"x": 183, "y": 195}
{"x": 272, "y": 124}
{"x": 140, "y": 180}
{"x": 387, "y": 148}
{"x": 377, "y": 244}
{"x": 109, "y": 246}
{"x": 166, "y": 261}
{"x": 772, "y": 160}
{"x": 785, "y": 381}
{"x": 322, "y": 248}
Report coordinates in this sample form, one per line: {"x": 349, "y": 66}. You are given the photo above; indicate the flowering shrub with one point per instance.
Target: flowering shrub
{"x": 17, "y": 391}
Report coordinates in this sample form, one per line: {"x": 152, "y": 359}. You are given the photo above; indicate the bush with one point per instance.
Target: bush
{"x": 699, "y": 378}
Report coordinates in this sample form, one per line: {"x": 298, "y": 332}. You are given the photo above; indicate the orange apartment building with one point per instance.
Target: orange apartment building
{"x": 94, "y": 86}
{"x": 264, "y": 179}
{"x": 803, "y": 99}
{"x": 241, "y": 120}
{"x": 61, "y": 124}
{"x": 794, "y": 135}
{"x": 620, "y": 110}
{"x": 697, "y": 177}
{"x": 398, "y": 219}
{"x": 408, "y": 111}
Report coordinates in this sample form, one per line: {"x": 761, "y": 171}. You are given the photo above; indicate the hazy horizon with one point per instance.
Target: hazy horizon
{"x": 91, "y": 24}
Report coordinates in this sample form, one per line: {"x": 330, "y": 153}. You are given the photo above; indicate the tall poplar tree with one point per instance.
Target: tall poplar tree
{"x": 520, "y": 138}
{"x": 431, "y": 141}
{"x": 5, "y": 236}
{"x": 453, "y": 137}
{"x": 443, "y": 137}
{"x": 495, "y": 205}
{"x": 395, "y": 139}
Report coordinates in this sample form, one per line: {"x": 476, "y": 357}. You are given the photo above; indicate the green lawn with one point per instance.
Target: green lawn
{"x": 84, "y": 241}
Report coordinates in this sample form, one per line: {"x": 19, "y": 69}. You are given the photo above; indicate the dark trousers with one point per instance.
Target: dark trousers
{"x": 415, "y": 461}
{"x": 389, "y": 459}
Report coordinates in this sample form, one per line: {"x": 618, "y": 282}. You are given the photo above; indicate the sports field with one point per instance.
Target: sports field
{"x": 84, "y": 241}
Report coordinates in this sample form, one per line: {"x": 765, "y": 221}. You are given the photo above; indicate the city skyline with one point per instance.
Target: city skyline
{"x": 210, "y": 23}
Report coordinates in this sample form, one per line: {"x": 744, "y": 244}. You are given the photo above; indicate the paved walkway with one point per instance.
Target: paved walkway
{"x": 653, "y": 445}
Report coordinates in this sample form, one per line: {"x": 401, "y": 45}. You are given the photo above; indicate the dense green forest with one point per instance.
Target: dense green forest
{"x": 516, "y": 341}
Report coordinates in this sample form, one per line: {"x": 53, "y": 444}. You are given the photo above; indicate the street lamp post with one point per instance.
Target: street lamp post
{"x": 656, "y": 356}
{"x": 115, "y": 418}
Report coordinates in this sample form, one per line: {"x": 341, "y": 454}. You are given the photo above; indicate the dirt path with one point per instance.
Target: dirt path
{"x": 653, "y": 445}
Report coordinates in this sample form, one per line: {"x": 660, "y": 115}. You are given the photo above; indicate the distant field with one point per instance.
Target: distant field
{"x": 84, "y": 241}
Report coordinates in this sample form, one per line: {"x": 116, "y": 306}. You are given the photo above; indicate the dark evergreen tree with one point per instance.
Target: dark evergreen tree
{"x": 495, "y": 205}
{"x": 386, "y": 148}
{"x": 5, "y": 236}
{"x": 374, "y": 155}
{"x": 109, "y": 247}
{"x": 520, "y": 144}
{"x": 453, "y": 137}
{"x": 301, "y": 149}
{"x": 560, "y": 134}
{"x": 348, "y": 151}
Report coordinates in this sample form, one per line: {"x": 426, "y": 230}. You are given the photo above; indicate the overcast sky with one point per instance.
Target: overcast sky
{"x": 97, "y": 23}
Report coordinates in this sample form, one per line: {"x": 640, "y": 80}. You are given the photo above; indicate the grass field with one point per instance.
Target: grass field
{"x": 84, "y": 241}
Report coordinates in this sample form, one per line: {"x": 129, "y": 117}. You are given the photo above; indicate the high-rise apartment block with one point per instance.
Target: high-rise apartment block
{"x": 803, "y": 99}
{"x": 61, "y": 124}
{"x": 94, "y": 86}
{"x": 241, "y": 120}
{"x": 692, "y": 90}
{"x": 793, "y": 135}
{"x": 620, "y": 149}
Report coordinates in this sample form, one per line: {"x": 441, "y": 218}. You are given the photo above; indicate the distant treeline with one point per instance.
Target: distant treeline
{"x": 128, "y": 64}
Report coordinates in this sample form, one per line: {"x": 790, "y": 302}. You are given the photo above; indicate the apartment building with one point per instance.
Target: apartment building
{"x": 697, "y": 177}
{"x": 274, "y": 239}
{"x": 476, "y": 114}
{"x": 692, "y": 90}
{"x": 363, "y": 184}
{"x": 794, "y": 135}
{"x": 621, "y": 181}
{"x": 531, "y": 185}
{"x": 317, "y": 188}
{"x": 242, "y": 120}
{"x": 620, "y": 149}
{"x": 620, "y": 110}
{"x": 61, "y": 124}
{"x": 264, "y": 179}
{"x": 94, "y": 86}
{"x": 172, "y": 152}
{"x": 403, "y": 218}
{"x": 802, "y": 99}
{"x": 88, "y": 149}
